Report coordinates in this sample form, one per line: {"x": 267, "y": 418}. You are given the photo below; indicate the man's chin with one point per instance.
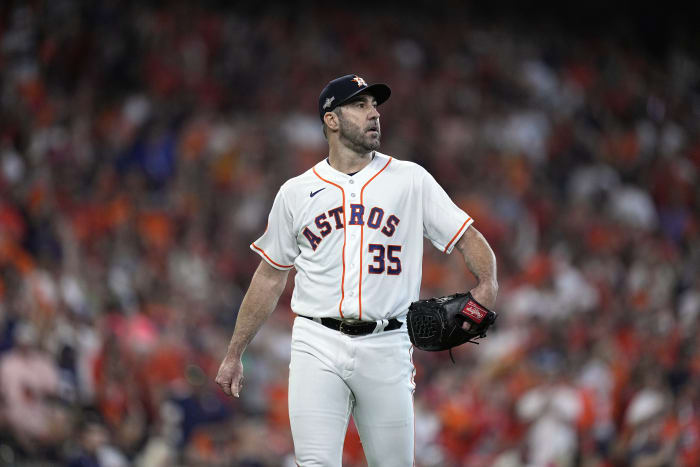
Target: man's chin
{"x": 373, "y": 144}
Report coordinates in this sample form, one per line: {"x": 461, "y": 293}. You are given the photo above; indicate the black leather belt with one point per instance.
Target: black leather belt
{"x": 359, "y": 328}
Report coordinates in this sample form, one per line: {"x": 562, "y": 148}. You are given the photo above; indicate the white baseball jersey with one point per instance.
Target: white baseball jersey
{"x": 357, "y": 241}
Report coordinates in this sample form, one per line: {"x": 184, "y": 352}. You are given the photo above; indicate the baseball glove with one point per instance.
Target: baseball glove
{"x": 435, "y": 324}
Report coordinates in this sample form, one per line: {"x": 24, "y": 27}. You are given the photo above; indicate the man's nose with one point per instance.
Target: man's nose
{"x": 374, "y": 113}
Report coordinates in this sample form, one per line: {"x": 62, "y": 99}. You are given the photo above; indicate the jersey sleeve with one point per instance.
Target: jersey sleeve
{"x": 443, "y": 221}
{"x": 278, "y": 244}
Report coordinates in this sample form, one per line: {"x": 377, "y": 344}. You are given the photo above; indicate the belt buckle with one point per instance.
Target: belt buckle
{"x": 345, "y": 328}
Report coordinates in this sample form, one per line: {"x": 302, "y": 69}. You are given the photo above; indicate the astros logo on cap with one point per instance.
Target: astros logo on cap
{"x": 340, "y": 90}
{"x": 360, "y": 82}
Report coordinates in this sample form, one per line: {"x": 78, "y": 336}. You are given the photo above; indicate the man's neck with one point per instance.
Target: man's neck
{"x": 347, "y": 161}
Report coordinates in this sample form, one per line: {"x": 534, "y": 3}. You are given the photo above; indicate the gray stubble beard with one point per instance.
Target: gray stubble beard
{"x": 356, "y": 139}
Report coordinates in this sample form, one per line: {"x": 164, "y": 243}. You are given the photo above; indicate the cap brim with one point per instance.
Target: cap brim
{"x": 380, "y": 91}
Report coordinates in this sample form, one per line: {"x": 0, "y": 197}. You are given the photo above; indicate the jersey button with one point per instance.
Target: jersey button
{"x": 351, "y": 181}
{"x": 352, "y": 195}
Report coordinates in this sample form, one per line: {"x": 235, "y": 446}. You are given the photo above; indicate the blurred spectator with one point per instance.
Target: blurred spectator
{"x": 94, "y": 449}
{"x": 29, "y": 383}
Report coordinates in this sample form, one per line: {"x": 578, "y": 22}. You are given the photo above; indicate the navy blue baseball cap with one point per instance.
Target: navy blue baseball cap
{"x": 342, "y": 89}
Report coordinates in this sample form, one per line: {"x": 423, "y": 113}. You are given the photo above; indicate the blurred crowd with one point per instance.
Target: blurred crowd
{"x": 141, "y": 145}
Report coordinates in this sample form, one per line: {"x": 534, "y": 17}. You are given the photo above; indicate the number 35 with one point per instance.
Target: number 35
{"x": 381, "y": 253}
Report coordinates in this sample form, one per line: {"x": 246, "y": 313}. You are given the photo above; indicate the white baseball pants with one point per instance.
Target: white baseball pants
{"x": 333, "y": 376}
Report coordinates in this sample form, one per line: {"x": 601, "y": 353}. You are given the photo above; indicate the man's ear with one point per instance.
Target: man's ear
{"x": 331, "y": 120}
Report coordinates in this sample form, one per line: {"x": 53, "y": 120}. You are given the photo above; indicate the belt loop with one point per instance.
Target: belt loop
{"x": 381, "y": 324}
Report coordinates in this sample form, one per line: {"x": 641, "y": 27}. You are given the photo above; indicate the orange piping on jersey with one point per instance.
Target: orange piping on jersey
{"x": 456, "y": 235}
{"x": 345, "y": 229}
{"x": 362, "y": 234}
{"x": 270, "y": 259}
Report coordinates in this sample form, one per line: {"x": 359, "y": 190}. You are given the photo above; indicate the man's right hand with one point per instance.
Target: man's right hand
{"x": 230, "y": 376}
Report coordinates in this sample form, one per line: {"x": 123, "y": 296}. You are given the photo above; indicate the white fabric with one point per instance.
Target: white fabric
{"x": 367, "y": 266}
{"x": 333, "y": 376}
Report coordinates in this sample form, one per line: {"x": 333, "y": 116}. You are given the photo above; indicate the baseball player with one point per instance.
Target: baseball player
{"x": 352, "y": 226}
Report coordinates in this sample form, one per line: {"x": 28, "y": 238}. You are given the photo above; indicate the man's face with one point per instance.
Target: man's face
{"x": 359, "y": 124}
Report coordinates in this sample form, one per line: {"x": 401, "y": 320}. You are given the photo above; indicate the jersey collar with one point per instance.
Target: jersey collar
{"x": 325, "y": 170}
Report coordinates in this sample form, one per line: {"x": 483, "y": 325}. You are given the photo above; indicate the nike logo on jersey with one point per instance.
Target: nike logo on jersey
{"x": 314, "y": 193}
